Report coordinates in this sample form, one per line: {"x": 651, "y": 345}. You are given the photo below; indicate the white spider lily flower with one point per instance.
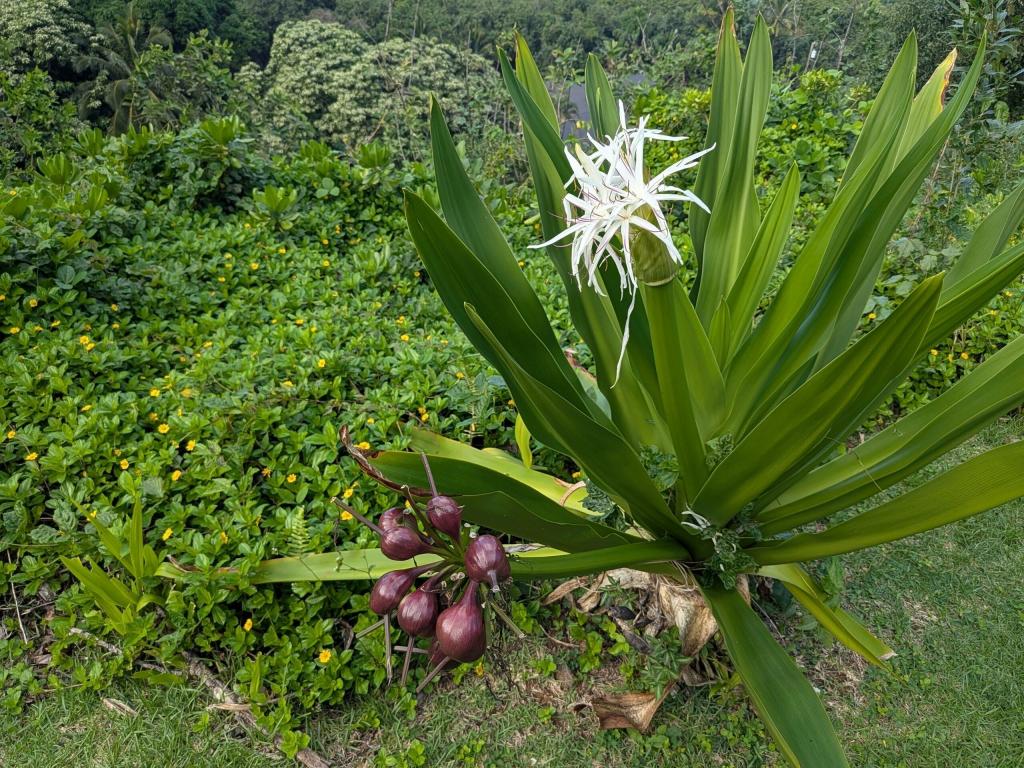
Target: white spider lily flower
{"x": 615, "y": 204}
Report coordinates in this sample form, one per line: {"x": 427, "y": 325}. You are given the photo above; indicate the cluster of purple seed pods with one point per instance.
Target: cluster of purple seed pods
{"x": 453, "y": 622}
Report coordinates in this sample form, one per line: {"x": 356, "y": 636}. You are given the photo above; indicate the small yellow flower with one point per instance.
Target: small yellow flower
{"x": 167, "y": 534}
{"x": 186, "y": 392}
{"x": 154, "y": 392}
{"x": 872, "y": 315}
{"x": 460, "y": 375}
{"x": 282, "y": 251}
{"x": 115, "y": 326}
{"x": 265, "y": 471}
{"x": 934, "y": 353}
{"x": 114, "y": 307}
{"x": 11, "y": 434}
{"x": 417, "y": 273}
{"x": 207, "y": 344}
{"x": 404, "y": 337}
{"x": 32, "y": 456}
{"x": 55, "y": 324}
{"x": 287, "y": 383}
{"x": 223, "y": 537}
{"x": 478, "y": 670}
{"x": 176, "y": 475}
{"x": 577, "y": 475}
{"x": 292, "y": 477}
{"x": 190, "y": 445}
{"x": 14, "y": 329}
{"x": 163, "y": 429}
{"x": 325, "y": 656}
{"x": 117, "y": 451}
{"x": 321, "y": 363}
{"x": 3, "y": 297}
{"x": 92, "y": 514}
{"x": 400, "y": 320}
{"x": 522, "y": 263}
{"x": 993, "y": 312}
{"x": 371, "y": 420}
{"x": 247, "y": 225}
{"x": 228, "y": 255}
{"x": 511, "y": 403}
{"x": 254, "y": 265}
{"x": 326, "y": 262}
{"x": 86, "y": 408}
{"x": 324, "y": 241}
{"x": 248, "y": 625}
{"x": 33, "y": 303}
{"x": 89, "y": 347}
{"x": 123, "y": 463}
{"x": 1008, "y": 294}
{"x": 348, "y": 493}
{"x": 424, "y": 416}
{"x": 964, "y": 356}
{"x": 153, "y": 416}
{"x": 222, "y": 279}
{"x": 337, "y": 229}
{"x": 421, "y": 410}
{"x": 299, "y": 321}
{"x": 444, "y": 342}
{"x": 346, "y": 515}
{"x": 364, "y": 445}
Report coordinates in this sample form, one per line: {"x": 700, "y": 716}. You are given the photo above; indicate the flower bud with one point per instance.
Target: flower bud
{"x": 445, "y": 515}
{"x": 461, "y": 634}
{"x": 401, "y": 543}
{"x": 389, "y": 590}
{"x": 486, "y": 561}
{"x": 391, "y": 518}
{"x": 417, "y": 613}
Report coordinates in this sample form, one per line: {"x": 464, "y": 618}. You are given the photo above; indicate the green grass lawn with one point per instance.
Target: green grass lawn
{"x": 951, "y": 602}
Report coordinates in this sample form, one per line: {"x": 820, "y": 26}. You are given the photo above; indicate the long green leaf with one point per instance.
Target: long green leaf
{"x": 687, "y": 380}
{"x": 535, "y": 119}
{"x": 461, "y": 277}
{"x": 972, "y": 292}
{"x": 986, "y": 481}
{"x": 781, "y": 694}
{"x": 497, "y": 460}
{"x": 990, "y": 237}
{"x": 634, "y": 555}
{"x": 536, "y": 517}
{"x": 857, "y": 270}
{"x": 820, "y": 413}
{"x": 604, "y": 113}
{"x": 603, "y": 454}
{"x": 725, "y": 86}
{"x": 736, "y": 215}
{"x": 976, "y": 400}
{"x": 762, "y": 259}
{"x": 841, "y": 625}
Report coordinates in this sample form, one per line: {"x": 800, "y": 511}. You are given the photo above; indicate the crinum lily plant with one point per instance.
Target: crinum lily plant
{"x": 750, "y": 397}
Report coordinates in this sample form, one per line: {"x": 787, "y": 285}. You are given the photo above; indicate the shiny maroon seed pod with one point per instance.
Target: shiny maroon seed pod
{"x": 394, "y": 517}
{"x": 389, "y": 590}
{"x": 445, "y": 515}
{"x": 461, "y": 633}
{"x": 401, "y": 543}
{"x": 486, "y": 561}
{"x": 417, "y": 613}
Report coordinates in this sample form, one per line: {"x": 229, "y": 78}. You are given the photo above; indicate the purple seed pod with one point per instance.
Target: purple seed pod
{"x": 461, "y": 634}
{"x": 394, "y": 517}
{"x": 434, "y": 654}
{"x": 401, "y": 543}
{"x": 417, "y": 613}
{"x": 445, "y": 515}
{"x": 486, "y": 561}
{"x": 389, "y": 590}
